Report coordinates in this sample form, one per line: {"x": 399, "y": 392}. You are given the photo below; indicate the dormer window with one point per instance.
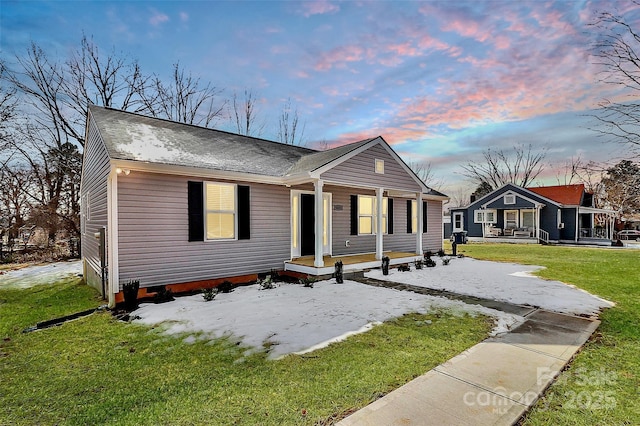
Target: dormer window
{"x": 379, "y": 167}
{"x": 510, "y": 199}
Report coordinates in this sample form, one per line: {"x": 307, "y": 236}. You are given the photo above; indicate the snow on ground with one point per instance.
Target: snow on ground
{"x": 505, "y": 282}
{"x": 40, "y": 274}
{"x": 296, "y": 319}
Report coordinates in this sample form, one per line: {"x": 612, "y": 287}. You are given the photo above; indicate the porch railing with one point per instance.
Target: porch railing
{"x": 543, "y": 236}
{"x": 594, "y": 233}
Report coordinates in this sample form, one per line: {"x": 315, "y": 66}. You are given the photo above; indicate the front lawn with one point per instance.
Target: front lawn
{"x": 97, "y": 370}
{"x": 601, "y": 385}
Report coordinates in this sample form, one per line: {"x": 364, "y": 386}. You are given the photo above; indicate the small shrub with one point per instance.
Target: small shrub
{"x": 460, "y": 256}
{"x": 130, "y": 293}
{"x": 446, "y": 260}
{"x": 404, "y": 268}
{"x": 428, "y": 254}
{"x": 418, "y": 264}
{"x": 267, "y": 283}
{"x": 440, "y": 253}
{"x": 226, "y": 287}
{"x": 308, "y": 282}
{"x": 430, "y": 263}
{"x": 208, "y": 294}
{"x": 163, "y": 295}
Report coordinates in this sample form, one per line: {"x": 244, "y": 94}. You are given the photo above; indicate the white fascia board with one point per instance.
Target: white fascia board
{"x": 596, "y": 210}
{"x": 511, "y": 192}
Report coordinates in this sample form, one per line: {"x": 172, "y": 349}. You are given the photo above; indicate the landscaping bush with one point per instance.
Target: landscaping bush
{"x": 130, "y": 292}
{"x": 208, "y": 294}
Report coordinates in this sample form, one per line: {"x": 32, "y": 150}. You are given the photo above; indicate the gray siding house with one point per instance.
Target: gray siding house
{"x": 563, "y": 213}
{"x": 188, "y": 207}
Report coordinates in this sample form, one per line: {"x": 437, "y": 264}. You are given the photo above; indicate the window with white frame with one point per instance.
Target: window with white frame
{"x": 509, "y": 199}
{"x": 367, "y": 211}
{"x": 220, "y": 211}
{"x": 484, "y": 216}
{"x": 379, "y": 167}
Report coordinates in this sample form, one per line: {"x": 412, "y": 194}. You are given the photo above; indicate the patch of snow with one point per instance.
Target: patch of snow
{"x": 507, "y": 282}
{"x": 40, "y": 274}
{"x": 295, "y": 319}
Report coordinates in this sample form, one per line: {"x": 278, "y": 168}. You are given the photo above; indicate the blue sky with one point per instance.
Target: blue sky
{"x": 439, "y": 80}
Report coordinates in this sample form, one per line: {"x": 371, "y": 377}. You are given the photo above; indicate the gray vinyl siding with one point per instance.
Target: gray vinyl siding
{"x": 359, "y": 170}
{"x": 95, "y": 172}
{"x": 400, "y": 240}
{"x": 153, "y": 233}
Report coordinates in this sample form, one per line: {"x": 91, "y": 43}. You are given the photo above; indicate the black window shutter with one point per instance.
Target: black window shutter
{"x": 195, "y": 200}
{"x": 390, "y": 216}
{"x": 409, "y": 217}
{"x": 244, "y": 212}
{"x": 424, "y": 216}
{"x": 354, "y": 215}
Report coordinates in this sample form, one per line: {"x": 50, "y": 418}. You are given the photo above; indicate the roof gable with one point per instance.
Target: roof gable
{"x": 563, "y": 194}
{"x": 513, "y": 188}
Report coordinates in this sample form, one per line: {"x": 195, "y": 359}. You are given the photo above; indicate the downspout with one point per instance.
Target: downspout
{"x": 112, "y": 238}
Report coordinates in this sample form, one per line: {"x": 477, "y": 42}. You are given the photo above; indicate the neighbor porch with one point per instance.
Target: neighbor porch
{"x": 353, "y": 262}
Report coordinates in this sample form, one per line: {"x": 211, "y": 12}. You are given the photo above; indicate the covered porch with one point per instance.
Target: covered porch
{"x": 353, "y": 262}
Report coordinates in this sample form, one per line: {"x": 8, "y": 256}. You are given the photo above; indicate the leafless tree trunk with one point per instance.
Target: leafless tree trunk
{"x": 244, "y": 113}
{"x": 183, "y": 99}
{"x": 520, "y": 167}
{"x": 424, "y": 170}
{"x": 111, "y": 81}
{"x": 288, "y": 121}
{"x": 616, "y": 52}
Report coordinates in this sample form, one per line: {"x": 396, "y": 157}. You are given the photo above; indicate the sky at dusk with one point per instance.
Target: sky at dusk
{"x": 441, "y": 81}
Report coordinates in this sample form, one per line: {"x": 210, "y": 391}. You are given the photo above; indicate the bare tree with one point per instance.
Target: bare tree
{"x": 424, "y": 170}
{"x": 244, "y": 113}
{"x": 616, "y": 52}
{"x": 570, "y": 171}
{"x": 288, "y": 122}
{"x": 109, "y": 80}
{"x": 520, "y": 167}
{"x": 184, "y": 99}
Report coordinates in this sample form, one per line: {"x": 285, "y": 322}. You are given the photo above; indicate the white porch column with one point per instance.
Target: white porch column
{"x": 319, "y": 222}
{"x": 538, "y": 223}
{"x": 379, "y": 233}
{"x": 420, "y": 225}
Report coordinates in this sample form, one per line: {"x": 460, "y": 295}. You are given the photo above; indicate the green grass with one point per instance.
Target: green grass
{"x": 601, "y": 385}
{"x": 97, "y": 370}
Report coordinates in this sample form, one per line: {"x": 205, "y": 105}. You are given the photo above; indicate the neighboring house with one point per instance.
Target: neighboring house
{"x": 562, "y": 214}
{"x": 189, "y": 207}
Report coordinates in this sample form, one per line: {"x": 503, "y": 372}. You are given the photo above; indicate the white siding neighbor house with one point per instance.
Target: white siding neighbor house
{"x": 189, "y": 207}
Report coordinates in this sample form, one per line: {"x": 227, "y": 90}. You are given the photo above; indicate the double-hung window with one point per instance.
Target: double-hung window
{"x": 220, "y": 211}
{"x": 367, "y": 211}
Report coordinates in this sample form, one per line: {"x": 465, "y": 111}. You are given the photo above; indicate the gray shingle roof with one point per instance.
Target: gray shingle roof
{"x": 135, "y": 137}
{"x": 129, "y": 136}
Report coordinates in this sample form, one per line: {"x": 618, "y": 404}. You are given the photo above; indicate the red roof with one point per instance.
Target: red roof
{"x": 563, "y": 194}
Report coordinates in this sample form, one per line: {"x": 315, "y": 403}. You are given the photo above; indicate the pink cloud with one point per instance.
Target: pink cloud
{"x": 318, "y": 7}
{"x": 184, "y": 16}
{"x": 339, "y": 56}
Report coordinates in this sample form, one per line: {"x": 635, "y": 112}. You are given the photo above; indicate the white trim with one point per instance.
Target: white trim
{"x": 319, "y": 223}
{"x": 420, "y": 225}
{"x": 378, "y": 162}
{"x": 510, "y": 192}
{"x": 509, "y": 198}
{"x": 327, "y": 270}
{"x": 235, "y": 211}
{"x": 296, "y": 251}
{"x": 379, "y": 231}
{"x": 113, "y": 280}
{"x": 453, "y": 221}
{"x": 517, "y": 217}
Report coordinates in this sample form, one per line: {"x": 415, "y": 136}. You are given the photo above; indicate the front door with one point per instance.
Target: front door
{"x": 303, "y": 218}
{"x": 307, "y": 224}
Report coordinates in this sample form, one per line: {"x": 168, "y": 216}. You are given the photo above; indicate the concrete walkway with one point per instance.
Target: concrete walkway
{"x": 493, "y": 383}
